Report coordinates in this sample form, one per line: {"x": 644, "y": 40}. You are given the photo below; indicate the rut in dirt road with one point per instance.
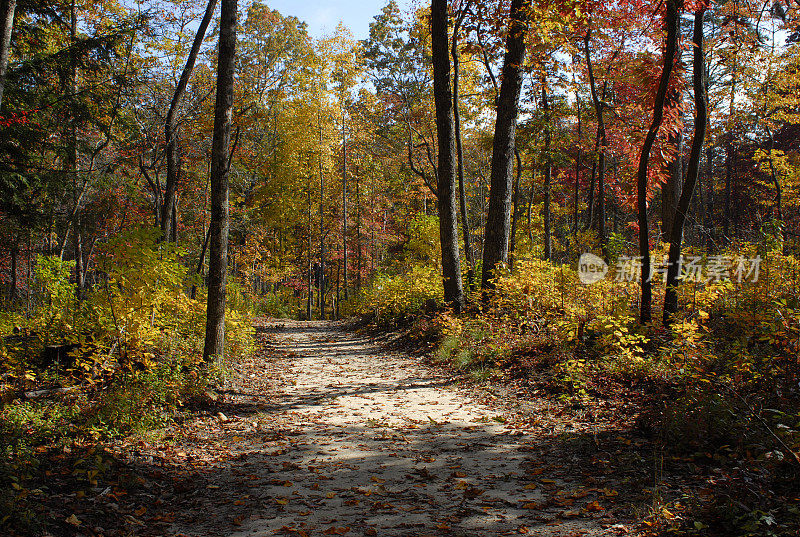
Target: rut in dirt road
{"x": 377, "y": 444}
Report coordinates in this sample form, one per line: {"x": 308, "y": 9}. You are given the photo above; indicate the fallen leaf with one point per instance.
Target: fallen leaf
{"x": 594, "y": 506}
{"x": 72, "y": 519}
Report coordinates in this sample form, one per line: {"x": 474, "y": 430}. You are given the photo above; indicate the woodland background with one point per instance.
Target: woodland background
{"x": 351, "y": 193}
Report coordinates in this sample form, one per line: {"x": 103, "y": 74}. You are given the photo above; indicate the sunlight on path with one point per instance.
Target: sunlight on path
{"x": 384, "y": 447}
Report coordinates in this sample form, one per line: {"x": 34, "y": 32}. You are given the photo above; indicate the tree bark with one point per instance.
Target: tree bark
{"x": 358, "y": 234}
{"x": 671, "y": 25}
{"x": 495, "y": 250}
{"x": 321, "y": 288}
{"x": 600, "y": 145}
{"x": 548, "y": 174}
{"x": 7, "y": 10}
{"x": 512, "y": 240}
{"x": 220, "y": 168}
{"x": 344, "y": 215}
{"x": 671, "y": 190}
{"x": 310, "y": 301}
{"x": 12, "y": 289}
{"x": 171, "y": 124}
{"x": 469, "y": 253}
{"x": 446, "y": 158}
{"x": 700, "y": 122}
{"x": 578, "y": 165}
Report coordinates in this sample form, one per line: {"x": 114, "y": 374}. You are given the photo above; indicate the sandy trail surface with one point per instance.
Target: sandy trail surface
{"x": 330, "y": 434}
{"x": 323, "y": 431}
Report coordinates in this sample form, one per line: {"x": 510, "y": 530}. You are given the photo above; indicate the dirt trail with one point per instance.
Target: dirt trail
{"x": 326, "y": 433}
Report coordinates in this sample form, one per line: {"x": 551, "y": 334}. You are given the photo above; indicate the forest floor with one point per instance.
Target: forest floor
{"x": 326, "y": 431}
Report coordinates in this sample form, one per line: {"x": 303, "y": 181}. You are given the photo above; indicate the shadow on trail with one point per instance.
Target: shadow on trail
{"x": 294, "y": 462}
{"x": 406, "y": 488}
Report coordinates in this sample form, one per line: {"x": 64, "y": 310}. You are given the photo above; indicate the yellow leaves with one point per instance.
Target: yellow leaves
{"x": 73, "y": 520}
{"x": 594, "y": 507}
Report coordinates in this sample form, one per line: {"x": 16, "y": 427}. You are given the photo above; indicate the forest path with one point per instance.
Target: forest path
{"x": 326, "y": 433}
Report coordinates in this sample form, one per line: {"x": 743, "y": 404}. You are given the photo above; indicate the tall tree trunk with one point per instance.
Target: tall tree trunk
{"x": 548, "y": 174}
{"x": 495, "y": 251}
{"x": 778, "y": 196}
{"x": 600, "y": 145}
{"x": 7, "y": 9}
{"x": 446, "y": 158}
{"x": 359, "y": 267}
{"x": 72, "y": 154}
{"x": 12, "y": 289}
{"x": 530, "y": 206}
{"x": 708, "y": 215}
{"x": 578, "y": 165}
{"x": 700, "y": 122}
{"x": 469, "y": 253}
{"x": 80, "y": 280}
{"x": 512, "y": 240}
{"x": 171, "y": 123}
{"x": 344, "y": 215}
{"x": 321, "y": 287}
{"x": 220, "y": 168}
{"x": 671, "y": 189}
{"x": 671, "y": 46}
{"x": 201, "y": 262}
{"x": 310, "y": 301}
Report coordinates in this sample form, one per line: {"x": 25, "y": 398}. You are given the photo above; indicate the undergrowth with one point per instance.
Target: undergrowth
{"x": 722, "y": 381}
{"x": 119, "y": 359}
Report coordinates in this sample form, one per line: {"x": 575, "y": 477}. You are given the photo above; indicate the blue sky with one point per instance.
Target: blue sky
{"x": 323, "y": 16}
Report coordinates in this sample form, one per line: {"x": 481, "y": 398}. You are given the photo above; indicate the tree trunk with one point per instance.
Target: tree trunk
{"x": 446, "y": 158}
{"x": 12, "y": 290}
{"x": 72, "y": 158}
{"x": 80, "y": 281}
{"x": 220, "y": 168}
{"x": 548, "y": 174}
{"x": 469, "y": 253}
{"x": 708, "y": 214}
{"x": 512, "y": 240}
{"x": 310, "y": 301}
{"x": 671, "y": 190}
{"x": 201, "y": 261}
{"x": 344, "y": 216}
{"x": 671, "y": 23}
{"x": 600, "y": 144}
{"x": 700, "y": 122}
{"x": 495, "y": 250}
{"x": 578, "y": 165}
{"x": 171, "y": 124}
{"x": 359, "y": 254}
{"x": 778, "y": 196}
{"x": 7, "y": 9}
{"x": 530, "y": 207}
{"x": 321, "y": 288}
